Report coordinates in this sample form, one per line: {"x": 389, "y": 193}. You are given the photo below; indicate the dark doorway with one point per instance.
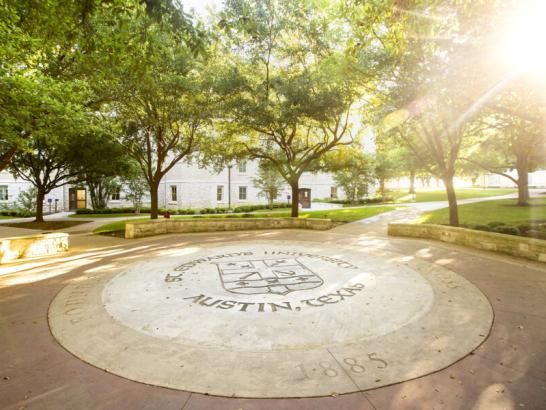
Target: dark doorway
{"x": 77, "y": 198}
{"x": 305, "y": 198}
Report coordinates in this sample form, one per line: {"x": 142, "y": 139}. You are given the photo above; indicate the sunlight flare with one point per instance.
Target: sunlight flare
{"x": 522, "y": 47}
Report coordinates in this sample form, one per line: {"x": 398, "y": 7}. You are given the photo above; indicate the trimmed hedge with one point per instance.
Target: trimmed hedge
{"x": 181, "y": 211}
{"x": 17, "y": 214}
{"x": 121, "y": 210}
{"x": 364, "y": 201}
{"x": 250, "y": 208}
{"x": 530, "y": 230}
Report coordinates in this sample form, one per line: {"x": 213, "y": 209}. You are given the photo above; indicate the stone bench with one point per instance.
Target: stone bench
{"x": 528, "y": 248}
{"x": 32, "y": 246}
{"x": 164, "y": 226}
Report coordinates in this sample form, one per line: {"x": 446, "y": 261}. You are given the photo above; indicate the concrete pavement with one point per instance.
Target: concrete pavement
{"x": 508, "y": 371}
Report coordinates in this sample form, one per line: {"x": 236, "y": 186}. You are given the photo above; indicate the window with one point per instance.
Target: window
{"x": 219, "y": 192}
{"x": 242, "y": 193}
{"x": 242, "y": 167}
{"x": 3, "y": 192}
{"x": 333, "y": 192}
{"x": 174, "y": 196}
{"x": 116, "y": 195}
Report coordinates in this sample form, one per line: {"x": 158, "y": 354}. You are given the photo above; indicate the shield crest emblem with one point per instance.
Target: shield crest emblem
{"x": 267, "y": 276}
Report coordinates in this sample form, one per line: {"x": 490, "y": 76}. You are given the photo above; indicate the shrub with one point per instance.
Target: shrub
{"x": 364, "y": 201}
{"x": 524, "y": 228}
{"x": 17, "y": 213}
{"x": 509, "y": 230}
{"x": 537, "y": 234}
{"x": 251, "y": 208}
{"x": 104, "y": 211}
{"x": 84, "y": 211}
{"x": 494, "y": 224}
{"x": 247, "y": 216}
{"x": 480, "y": 227}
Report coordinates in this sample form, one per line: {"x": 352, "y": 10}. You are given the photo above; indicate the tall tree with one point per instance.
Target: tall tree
{"x": 353, "y": 171}
{"x": 38, "y": 42}
{"x": 149, "y": 66}
{"x": 46, "y": 159}
{"x": 435, "y": 91}
{"x": 512, "y": 135}
{"x": 100, "y": 163}
{"x": 289, "y": 85}
{"x": 44, "y": 166}
{"x": 268, "y": 182}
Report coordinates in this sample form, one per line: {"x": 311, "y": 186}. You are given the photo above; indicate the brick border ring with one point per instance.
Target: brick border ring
{"x": 268, "y": 319}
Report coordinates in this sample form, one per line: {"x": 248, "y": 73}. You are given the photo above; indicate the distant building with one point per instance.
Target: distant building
{"x": 184, "y": 186}
{"x": 537, "y": 179}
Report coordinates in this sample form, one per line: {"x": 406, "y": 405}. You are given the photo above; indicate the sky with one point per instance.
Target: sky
{"x": 201, "y": 6}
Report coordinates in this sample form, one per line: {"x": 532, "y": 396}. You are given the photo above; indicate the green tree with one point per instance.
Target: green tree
{"x": 154, "y": 86}
{"x": 289, "y": 87}
{"x": 47, "y": 157}
{"x": 512, "y": 135}
{"x": 268, "y": 183}
{"x": 38, "y": 42}
{"x": 135, "y": 187}
{"x": 26, "y": 200}
{"x": 353, "y": 171}
{"x": 44, "y": 166}
{"x": 435, "y": 90}
{"x": 386, "y": 167}
{"x": 100, "y": 163}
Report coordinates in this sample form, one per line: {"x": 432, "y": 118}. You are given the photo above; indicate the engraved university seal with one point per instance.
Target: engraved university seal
{"x": 267, "y": 276}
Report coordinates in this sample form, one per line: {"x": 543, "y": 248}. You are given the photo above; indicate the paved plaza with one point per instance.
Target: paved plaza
{"x": 343, "y": 319}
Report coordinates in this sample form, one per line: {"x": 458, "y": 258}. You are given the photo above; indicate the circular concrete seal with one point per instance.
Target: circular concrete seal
{"x": 272, "y": 319}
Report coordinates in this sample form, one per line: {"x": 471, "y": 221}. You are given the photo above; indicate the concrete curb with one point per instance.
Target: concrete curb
{"x": 160, "y": 227}
{"x": 32, "y": 245}
{"x": 528, "y": 248}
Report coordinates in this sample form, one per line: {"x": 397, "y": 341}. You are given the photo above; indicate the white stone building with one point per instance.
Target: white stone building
{"x": 537, "y": 179}
{"x": 184, "y": 186}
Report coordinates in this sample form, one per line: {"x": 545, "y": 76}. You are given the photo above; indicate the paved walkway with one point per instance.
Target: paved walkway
{"x": 508, "y": 371}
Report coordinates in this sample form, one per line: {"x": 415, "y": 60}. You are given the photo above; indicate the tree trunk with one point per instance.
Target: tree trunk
{"x": 412, "y": 182}
{"x": 295, "y": 198}
{"x": 522, "y": 166}
{"x": 95, "y": 193}
{"x": 40, "y": 196}
{"x": 382, "y": 186}
{"x": 154, "y": 197}
{"x": 452, "y": 201}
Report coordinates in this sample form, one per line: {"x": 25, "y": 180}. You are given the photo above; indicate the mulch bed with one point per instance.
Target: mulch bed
{"x": 116, "y": 234}
{"x": 47, "y": 225}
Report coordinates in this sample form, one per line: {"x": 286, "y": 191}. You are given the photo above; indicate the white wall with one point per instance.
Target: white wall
{"x": 536, "y": 179}
{"x": 196, "y": 188}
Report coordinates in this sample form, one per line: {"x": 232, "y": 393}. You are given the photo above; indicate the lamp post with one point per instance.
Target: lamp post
{"x": 229, "y": 186}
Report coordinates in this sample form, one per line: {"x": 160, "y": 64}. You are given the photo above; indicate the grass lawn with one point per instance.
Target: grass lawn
{"x": 338, "y": 215}
{"x": 502, "y": 210}
{"x": 121, "y": 215}
{"x": 8, "y": 217}
{"x": 440, "y": 195}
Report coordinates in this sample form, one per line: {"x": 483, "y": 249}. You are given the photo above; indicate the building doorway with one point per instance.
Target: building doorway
{"x": 305, "y": 198}
{"x": 77, "y": 198}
